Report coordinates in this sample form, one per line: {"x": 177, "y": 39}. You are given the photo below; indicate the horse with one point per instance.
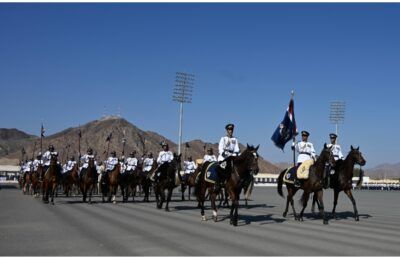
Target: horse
{"x": 88, "y": 181}
{"x": 145, "y": 181}
{"x": 129, "y": 180}
{"x": 341, "y": 180}
{"x": 71, "y": 180}
{"x": 110, "y": 182}
{"x": 51, "y": 180}
{"x": 167, "y": 181}
{"x": 237, "y": 169}
{"x": 26, "y": 182}
{"x": 35, "y": 183}
{"x": 189, "y": 181}
{"x": 314, "y": 184}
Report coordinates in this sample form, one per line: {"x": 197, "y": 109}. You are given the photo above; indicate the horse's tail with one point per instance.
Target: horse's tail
{"x": 197, "y": 184}
{"x": 360, "y": 179}
{"x": 280, "y": 183}
{"x": 249, "y": 189}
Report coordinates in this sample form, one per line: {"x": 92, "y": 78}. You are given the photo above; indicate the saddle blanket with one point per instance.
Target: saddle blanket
{"x": 304, "y": 169}
{"x": 289, "y": 175}
{"x": 211, "y": 172}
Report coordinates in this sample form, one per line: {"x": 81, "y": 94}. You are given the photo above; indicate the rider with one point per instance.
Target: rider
{"x": 165, "y": 156}
{"x": 209, "y": 156}
{"x": 228, "y": 146}
{"x": 131, "y": 162}
{"x": 38, "y": 161}
{"x": 148, "y": 162}
{"x": 337, "y": 154}
{"x": 306, "y": 151}
{"x": 71, "y": 163}
{"x": 189, "y": 168}
{"x": 111, "y": 161}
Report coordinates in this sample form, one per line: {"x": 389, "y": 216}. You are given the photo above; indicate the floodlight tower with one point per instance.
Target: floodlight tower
{"x": 183, "y": 94}
{"x": 336, "y": 116}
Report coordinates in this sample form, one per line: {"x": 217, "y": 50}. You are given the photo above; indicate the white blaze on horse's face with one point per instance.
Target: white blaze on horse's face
{"x": 255, "y": 155}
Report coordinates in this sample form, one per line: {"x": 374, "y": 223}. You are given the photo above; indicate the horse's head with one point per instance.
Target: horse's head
{"x": 251, "y": 157}
{"x": 91, "y": 162}
{"x": 357, "y": 156}
{"x": 176, "y": 162}
{"x": 53, "y": 159}
{"x": 326, "y": 155}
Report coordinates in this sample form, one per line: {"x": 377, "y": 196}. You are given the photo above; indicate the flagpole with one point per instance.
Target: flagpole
{"x": 294, "y": 134}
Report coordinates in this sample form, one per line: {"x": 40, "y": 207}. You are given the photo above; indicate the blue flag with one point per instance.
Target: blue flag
{"x": 286, "y": 129}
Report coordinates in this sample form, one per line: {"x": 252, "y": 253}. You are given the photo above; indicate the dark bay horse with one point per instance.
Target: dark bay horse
{"x": 314, "y": 184}
{"x": 145, "y": 181}
{"x": 51, "y": 180}
{"x": 167, "y": 181}
{"x": 189, "y": 181}
{"x": 342, "y": 179}
{"x": 89, "y": 180}
{"x": 237, "y": 170}
{"x": 129, "y": 180}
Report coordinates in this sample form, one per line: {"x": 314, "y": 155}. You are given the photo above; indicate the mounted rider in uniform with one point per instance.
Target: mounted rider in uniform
{"x": 306, "y": 151}
{"x": 337, "y": 154}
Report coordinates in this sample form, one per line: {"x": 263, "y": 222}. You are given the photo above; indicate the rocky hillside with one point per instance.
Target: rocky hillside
{"x": 95, "y": 133}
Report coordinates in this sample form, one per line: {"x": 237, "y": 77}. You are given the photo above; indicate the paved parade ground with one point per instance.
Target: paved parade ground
{"x": 72, "y": 228}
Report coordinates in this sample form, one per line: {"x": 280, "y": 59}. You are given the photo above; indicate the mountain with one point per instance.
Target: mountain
{"x": 12, "y": 140}
{"x": 384, "y": 171}
{"x": 94, "y": 134}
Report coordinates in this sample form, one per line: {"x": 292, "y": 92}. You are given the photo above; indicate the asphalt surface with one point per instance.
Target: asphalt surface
{"x": 29, "y": 227}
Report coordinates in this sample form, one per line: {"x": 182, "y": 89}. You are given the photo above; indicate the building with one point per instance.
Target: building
{"x": 9, "y": 172}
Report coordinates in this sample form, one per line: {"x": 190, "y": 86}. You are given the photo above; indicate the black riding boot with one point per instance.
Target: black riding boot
{"x": 296, "y": 181}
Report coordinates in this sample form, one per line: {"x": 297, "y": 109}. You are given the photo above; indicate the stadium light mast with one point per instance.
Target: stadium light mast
{"x": 183, "y": 94}
{"x": 336, "y": 116}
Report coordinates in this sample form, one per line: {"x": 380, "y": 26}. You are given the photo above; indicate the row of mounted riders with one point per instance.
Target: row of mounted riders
{"x": 236, "y": 175}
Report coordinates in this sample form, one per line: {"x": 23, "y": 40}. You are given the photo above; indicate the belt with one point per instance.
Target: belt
{"x": 309, "y": 154}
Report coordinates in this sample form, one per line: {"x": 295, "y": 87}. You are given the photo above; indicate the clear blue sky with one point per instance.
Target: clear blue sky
{"x": 62, "y": 63}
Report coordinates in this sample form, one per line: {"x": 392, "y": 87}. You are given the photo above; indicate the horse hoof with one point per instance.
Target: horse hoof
{"x": 167, "y": 209}
{"x": 203, "y": 218}
{"x": 326, "y": 222}
{"x": 357, "y": 218}
{"x": 115, "y": 202}
{"x": 284, "y": 214}
{"x": 235, "y": 223}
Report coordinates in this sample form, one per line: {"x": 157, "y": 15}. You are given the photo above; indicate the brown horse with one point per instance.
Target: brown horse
{"x": 26, "y": 182}
{"x": 167, "y": 181}
{"x": 35, "y": 183}
{"x": 129, "y": 180}
{"x": 50, "y": 180}
{"x": 71, "y": 180}
{"x": 89, "y": 180}
{"x": 342, "y": 179}
{"x": 237, "y": 169}
{"x": 110, "y": 182}
{"x": 314, "y": 184}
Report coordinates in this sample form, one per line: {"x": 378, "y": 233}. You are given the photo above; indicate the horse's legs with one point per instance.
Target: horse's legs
{"x": 315, "y": 200}
{"x": 183, "y": 191}
{"x": 350, "y": 195}
{"x": 335, "y": 199}
{"x": 169, "y": 198}
{"x": 320, "y": 201}
{"x": 213, "y": 196}
{"x": 306, "y": 196}
{"x": 201, "y": 199}
{"x": 114, "y": 194}
{"x": 53, "y": 192}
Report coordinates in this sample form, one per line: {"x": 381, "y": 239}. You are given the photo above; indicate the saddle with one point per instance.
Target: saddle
{"x": 304, "y": 169}
{"x": 211, "y": 173}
